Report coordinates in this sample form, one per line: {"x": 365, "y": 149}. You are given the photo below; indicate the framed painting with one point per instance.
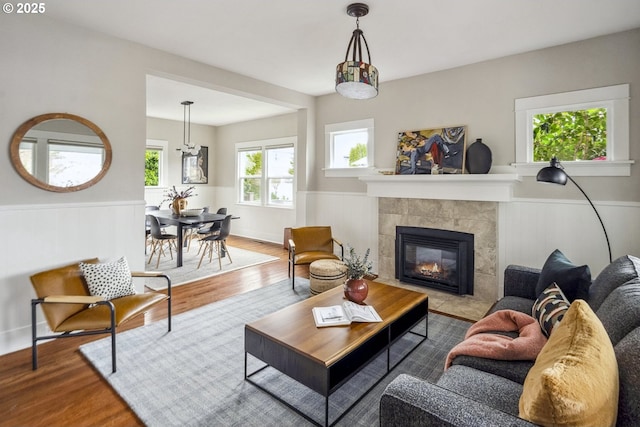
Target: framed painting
{"x": 431, "y": 151}
{"x": 195, "y": 168}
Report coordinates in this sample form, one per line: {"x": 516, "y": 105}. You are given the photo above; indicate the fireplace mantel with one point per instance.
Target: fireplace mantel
{"x": 489, "y": 187}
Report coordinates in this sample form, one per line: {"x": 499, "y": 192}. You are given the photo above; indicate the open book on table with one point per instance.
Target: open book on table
{"x": 344, "y": 314}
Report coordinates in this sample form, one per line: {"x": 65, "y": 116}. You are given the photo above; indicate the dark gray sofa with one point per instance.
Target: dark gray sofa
{"x": 482, "y": 392}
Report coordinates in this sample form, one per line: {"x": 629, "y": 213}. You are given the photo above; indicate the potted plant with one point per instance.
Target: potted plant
{"x": 178, "y": 199}
{"x": 355, "y": 287}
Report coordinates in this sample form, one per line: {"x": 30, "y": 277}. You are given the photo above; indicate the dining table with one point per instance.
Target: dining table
{"x": 167, "y": 217}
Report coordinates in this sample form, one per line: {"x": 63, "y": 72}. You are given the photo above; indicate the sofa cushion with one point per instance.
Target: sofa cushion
{"x": 109, "y": 279}
{"x": 620, "y": 271}
{"x": 572, "y": 279}
{"x": 549, "y": 308}
{"x": 514, "y": 370}
{"x": 574, "y": 380}
{"x": 627, "y": 355}
{"x": 481, "y": 387}
{"x": 620, "y": 312}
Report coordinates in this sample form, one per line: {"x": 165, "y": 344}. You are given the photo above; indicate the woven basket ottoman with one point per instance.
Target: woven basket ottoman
{"x": 326, "y": 274}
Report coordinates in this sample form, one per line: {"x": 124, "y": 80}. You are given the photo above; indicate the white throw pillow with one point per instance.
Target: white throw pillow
{"x": 109, "y": 280}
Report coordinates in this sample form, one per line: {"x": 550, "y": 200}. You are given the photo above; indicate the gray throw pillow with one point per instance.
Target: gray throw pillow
{"x": 574, "y": 280}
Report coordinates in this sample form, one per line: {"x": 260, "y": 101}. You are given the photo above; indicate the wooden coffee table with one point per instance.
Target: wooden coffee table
{"x": 323, "y": 359}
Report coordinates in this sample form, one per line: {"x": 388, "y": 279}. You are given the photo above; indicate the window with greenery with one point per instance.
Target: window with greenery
{"x": 570, "y": 135}
{"x": 587, "y": 130}
{"x": 349, "y": 148}
{"x": 266, "y": 172}
{"x": 155, "y": 164}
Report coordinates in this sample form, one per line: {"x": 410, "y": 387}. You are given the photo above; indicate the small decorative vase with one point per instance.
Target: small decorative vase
{"x": 356, "y": 290}
{"x": 478, "y": 159}
{"x": 178, "y": 205}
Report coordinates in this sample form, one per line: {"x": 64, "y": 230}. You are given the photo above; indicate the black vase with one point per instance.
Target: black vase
{"x": 478, "y": 157}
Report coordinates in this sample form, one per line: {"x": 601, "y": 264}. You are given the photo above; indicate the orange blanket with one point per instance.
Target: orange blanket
{"x": 479, "y": 343}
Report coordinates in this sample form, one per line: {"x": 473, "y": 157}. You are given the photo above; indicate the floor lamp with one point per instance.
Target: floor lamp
{"x": 555, "y": 174}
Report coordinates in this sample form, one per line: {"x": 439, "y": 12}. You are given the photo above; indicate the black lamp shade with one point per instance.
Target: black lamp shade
{"x": 552, "y": 174}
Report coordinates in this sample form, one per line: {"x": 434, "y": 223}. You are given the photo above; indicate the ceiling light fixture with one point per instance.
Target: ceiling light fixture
{"x": 188, "y": 147}
{"x": 355, "y": 78}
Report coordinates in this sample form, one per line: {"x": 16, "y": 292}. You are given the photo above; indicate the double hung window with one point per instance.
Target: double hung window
{"x": 265, "y": 172}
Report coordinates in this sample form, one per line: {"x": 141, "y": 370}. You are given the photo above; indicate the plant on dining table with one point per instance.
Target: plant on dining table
{"x": 173, "y": 194}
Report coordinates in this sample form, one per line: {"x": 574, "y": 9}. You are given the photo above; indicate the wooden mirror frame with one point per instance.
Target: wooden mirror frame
{"x": 19, "y": 135}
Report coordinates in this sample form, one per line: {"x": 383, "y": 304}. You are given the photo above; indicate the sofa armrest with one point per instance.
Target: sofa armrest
{"x": 409, "y": 401}
{"x": 520, "y": 281}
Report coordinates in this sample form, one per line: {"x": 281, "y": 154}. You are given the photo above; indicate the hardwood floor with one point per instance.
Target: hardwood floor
{"x": 67, "y": 391}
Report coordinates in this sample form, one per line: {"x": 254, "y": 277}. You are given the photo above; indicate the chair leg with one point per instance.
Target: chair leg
{"x": 34, "y": 341}
{"x": 226, "y": 251}
{"x": 154, "y": 243}
{"x": 204, "y": 252}
{"x": 293, "y": 275}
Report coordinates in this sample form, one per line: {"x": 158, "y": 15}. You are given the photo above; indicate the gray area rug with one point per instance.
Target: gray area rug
{"x": 190, "y": 271}
{"x": 194, "y": 375}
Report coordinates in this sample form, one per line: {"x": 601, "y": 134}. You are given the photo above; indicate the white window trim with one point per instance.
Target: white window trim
{"x": 354, "y": 171}
{"x": 614, "y": 98}
{"x": 162, "y": 145}
{"x": 262, "y": 145}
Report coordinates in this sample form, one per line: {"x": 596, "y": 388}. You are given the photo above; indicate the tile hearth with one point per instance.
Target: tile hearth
{"x": 461, "y": 306}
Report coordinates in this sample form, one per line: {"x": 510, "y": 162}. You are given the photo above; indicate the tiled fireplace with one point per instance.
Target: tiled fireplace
{"x": 435, "y": 258}
{"x": 478, "y": 218}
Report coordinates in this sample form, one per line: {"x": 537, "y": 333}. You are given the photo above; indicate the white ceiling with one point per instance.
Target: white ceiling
{"x": 297, "y": 43}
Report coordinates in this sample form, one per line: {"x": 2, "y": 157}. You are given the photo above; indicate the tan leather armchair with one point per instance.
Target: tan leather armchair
{"x": 71, "y": 311}
{"x": 308, "y": 244}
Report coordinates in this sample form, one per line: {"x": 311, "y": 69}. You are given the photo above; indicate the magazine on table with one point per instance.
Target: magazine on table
{"x": 345, "y": 314}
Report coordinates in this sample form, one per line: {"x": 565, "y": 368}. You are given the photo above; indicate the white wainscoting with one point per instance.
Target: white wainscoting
{"x": 353, "y": 218}
{"x": 38, "y": 237}
{"x": 534, "y": 228}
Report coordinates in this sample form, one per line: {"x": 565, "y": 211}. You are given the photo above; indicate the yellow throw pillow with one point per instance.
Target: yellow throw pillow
{"x": 574, "y": 381}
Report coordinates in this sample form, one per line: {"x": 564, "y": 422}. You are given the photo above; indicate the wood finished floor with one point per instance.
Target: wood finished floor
{"x": 67, "y": 391}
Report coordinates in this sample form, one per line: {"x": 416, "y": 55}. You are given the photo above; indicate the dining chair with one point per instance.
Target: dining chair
{"x": 209, "y": 229}
{"x": 160, "y": 239}
{"x": 218, "y": 240}
{"x": 190, "y": 230}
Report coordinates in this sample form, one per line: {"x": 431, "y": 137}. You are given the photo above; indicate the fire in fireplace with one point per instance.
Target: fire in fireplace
{"x": 439, "y": 259}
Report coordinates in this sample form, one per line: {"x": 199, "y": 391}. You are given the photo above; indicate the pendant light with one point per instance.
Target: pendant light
{"x": 187, "y": 146}
{"x": 355, "y": 78}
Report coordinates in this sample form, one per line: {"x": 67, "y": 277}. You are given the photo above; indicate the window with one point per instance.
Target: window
{"x": 266, "y": 172}
{"x": 587, "y": 130}
{"x": 349, "y": 148}
{"x": 156, "y": 163}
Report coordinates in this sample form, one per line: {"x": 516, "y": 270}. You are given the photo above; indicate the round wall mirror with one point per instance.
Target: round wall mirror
{"x": 60, "y": 152}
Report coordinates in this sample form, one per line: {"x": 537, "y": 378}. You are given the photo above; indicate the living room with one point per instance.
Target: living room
{"x": 60, "y": 67}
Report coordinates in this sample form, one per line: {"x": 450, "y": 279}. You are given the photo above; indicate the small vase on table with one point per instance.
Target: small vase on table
{"x": 178, "y": 205}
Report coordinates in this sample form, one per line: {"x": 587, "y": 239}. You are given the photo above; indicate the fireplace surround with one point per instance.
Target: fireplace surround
{"x": 474, "y": 217}
{"x": 435, "y": 258}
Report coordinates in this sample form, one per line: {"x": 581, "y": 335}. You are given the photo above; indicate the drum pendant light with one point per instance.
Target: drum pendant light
{"x": 355, "y": 78}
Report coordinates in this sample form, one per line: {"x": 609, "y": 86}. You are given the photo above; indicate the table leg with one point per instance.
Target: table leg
{"x": 179, "y": 248}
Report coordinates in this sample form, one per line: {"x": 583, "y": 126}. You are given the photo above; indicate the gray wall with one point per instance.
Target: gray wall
{"x": 481, "y": 96}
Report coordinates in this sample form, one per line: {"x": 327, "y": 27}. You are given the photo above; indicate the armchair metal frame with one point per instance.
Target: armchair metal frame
{"x": 90, "y": 300}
